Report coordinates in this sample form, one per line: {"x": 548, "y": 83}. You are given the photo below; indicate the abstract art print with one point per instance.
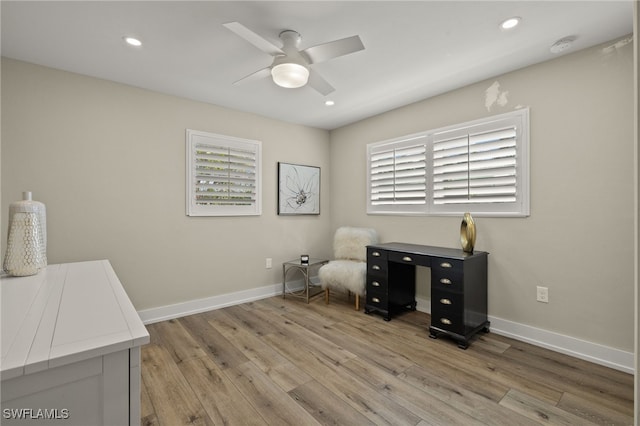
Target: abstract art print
{"x": 298, "y": 189}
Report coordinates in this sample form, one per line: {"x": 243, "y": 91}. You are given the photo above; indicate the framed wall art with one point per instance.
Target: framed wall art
{"x": 298, "y": 189}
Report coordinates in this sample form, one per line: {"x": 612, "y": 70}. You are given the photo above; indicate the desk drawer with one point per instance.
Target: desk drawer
{"x": 447, "y": 301}
{"x": 447, "y": 317}
{"x": 377, "y": 267}
{"x": 377, "y": 284}
{"x": 448, "y": 280}
{"x": 447, "y": 322}
{"x": 377, "y": 262}
{"x": 373, "y": 254}
{"x": 440, "y": 264}
{"x": 378, "y": 300}
{"x": 409, "y": 258}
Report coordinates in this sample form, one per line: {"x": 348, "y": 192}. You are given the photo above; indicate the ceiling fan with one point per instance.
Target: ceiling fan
{"x": 291, "y": 66}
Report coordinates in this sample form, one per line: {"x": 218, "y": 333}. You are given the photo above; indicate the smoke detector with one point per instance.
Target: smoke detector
{"x": 562, "y": 44}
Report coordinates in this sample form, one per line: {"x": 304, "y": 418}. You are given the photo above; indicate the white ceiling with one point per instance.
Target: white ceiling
{"x": 413, "y": 50}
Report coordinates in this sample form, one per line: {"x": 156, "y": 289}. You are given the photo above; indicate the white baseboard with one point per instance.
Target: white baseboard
{"x": 582, "y": 349}
{"x": 190, "y": 307}
{"x": 593, "y": 352}
{"x": 163, "y": 313}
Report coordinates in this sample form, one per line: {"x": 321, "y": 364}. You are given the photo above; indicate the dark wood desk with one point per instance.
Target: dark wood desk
{"x": 458, "y": 286}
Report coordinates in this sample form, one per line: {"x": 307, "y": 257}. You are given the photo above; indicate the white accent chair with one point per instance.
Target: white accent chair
{"x": 348, "y": 271}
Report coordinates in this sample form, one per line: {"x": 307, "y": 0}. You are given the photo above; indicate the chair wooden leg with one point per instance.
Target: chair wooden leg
{"x": 357, "y": 302}
{"x": 326, "y": 295}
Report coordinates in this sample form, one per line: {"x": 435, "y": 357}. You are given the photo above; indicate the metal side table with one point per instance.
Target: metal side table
{"x": 305, "y": 269}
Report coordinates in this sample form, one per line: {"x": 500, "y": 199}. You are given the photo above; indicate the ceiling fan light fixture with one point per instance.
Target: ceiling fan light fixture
{"x": 290, "y": 75}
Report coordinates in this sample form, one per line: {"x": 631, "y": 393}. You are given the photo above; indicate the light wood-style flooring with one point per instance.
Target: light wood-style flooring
{"x": 283, "y": 362}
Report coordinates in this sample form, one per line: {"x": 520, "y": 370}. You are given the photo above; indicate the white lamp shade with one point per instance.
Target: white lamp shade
{"x": 290, "y": 75}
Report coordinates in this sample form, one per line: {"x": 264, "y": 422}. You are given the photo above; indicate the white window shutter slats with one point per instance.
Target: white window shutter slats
{"x": 397, "y": 174}
{"x": 476, "y": 164}
{"x": 223, "y": 175}
{"x": 480, "y": 167}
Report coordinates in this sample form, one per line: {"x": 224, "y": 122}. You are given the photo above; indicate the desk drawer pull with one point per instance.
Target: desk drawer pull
{"x": 375, "y": 283}
{"x": 407, "y": 259}
{"x": 446, "y": 321}
{"x": 445, "y": 265}
{"x": 445, "y": 301}
{"x": 445, "y": 281}
{"x": 375, "y": 267}
{"x": 375, "y": 300}
{"x": 375, "y": 253}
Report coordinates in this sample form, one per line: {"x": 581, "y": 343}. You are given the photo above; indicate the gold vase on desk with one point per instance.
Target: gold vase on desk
{"x": 468, "y": 233}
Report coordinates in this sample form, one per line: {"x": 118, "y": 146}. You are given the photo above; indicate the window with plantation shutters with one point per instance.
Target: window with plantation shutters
{"x": 223, "y": 175}
{"x": 475, "y": 168}
{"x": 479, "y": 167}
{"x": 397, "y": 176}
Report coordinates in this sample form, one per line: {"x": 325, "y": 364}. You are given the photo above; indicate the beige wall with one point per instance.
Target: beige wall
{"x": 108, "y": 161}
{"x": 578, "y": 240}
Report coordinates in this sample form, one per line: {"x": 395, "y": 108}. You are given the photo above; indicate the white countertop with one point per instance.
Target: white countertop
{"x": 64, "y": 314}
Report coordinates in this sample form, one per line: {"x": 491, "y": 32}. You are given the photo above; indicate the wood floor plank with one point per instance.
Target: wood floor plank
{"x": 431, "y": 410}
{"x": 488, "y": 343}
{"x": 175, "y": 338}
{"x": 217, "y": 347}
{"x": 573, "y": 369}
{"x": 173, "y": 399}
{"x": 384, "y": 358}
{"x": 367, "y": 401}
{"x": 441, "y": 358}
{"x": 275, "y": 406}
{"x": 345, "y": 310}
{"x": 319, "y": 308}
{"x": 286, "y": 374}
{"x": 148, "y": 415}
{"x": 283, "y": 361}
{"x": 484, "y": 375}
{"x": 468, "y": 402}
{"x": 568, "y": 374}
{"x": 592, "y": 410}
{"x": 325, "y": 406}
{"x": 249, "y": 320}
{"x": 279, "y": 306}
{"x": 540, "y": 411}
{"x": 279, "y": 324}
{"x": 219, "y": 397}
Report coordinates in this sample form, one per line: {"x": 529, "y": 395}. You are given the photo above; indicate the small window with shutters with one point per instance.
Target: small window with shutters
{"x": 223, "y": 175}
{"x": 397, "y": 175}
{"x": 480, "y": 167}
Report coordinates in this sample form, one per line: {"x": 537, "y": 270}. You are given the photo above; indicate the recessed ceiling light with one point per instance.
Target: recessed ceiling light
{"x": 329, "y": 102}
{"x": 510, "y": 23}
{"x": 132, "y": 41}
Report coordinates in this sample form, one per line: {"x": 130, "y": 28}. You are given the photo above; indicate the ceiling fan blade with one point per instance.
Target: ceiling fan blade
{"x": 319, "y": 84}
{"x": 253, "y": 38}
{"x": 333, "y": 49}
{"x": 260, "y": 74}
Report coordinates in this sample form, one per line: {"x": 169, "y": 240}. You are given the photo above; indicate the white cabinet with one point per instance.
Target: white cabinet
{"x": 70, "y": 348}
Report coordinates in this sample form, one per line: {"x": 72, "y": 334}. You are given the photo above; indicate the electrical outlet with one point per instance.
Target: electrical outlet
{"x": 269, "y": 263}
{"x": 542, "y": 294}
